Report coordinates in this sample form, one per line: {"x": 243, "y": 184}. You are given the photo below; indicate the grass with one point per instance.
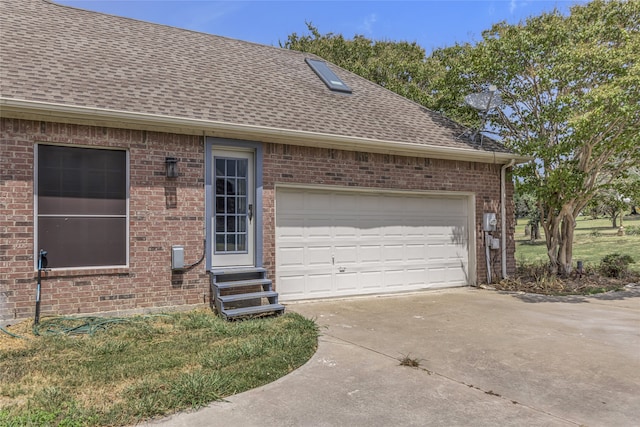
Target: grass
{"x": 593, "y": 239}
{"x": 146, "y": 367}
{"x": 409, "y": 361}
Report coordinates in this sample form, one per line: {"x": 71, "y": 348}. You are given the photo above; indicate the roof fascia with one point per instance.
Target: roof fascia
{"x": 37, "y": 110}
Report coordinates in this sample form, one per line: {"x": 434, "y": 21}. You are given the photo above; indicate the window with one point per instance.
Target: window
{"x": 82, "y": 206}
{"x": 329, "y": 78}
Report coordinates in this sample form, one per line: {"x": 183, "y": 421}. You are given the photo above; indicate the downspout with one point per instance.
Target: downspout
{"x": 503, "y": 213}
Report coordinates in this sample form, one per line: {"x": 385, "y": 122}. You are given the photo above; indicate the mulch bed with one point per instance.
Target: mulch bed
{"x": 550, "y": 285}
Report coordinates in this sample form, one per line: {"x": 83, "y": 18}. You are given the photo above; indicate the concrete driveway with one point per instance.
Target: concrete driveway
{"x": 486, "y": 359}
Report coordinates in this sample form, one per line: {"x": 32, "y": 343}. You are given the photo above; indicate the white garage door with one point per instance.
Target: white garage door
{"x": 340, "y": 243}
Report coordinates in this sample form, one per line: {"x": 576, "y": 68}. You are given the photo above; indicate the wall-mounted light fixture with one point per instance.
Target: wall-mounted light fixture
{"x": 171, "y": 165}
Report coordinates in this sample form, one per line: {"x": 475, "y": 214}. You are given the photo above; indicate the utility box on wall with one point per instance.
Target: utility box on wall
{"x": 177, "y": 257}
{"x": 489, "y": 222}
{"x": 494, "y": 243}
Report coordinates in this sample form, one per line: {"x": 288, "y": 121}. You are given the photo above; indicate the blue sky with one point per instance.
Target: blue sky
{"x": 431, "y": 24}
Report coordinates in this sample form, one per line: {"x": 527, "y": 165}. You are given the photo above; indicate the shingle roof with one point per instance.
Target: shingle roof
{"x": 59, "y": 54}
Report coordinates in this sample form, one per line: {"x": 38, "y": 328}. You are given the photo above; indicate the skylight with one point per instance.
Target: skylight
{"x": 329, "y": 78}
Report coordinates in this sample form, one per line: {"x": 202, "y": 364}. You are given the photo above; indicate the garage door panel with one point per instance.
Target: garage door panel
{"x": 292, "y": 286}
{"x": 370, "y": 253}
{"x": 436, "y": 275}
{"x": 319, "y": 255}
{"x": 371, "y": 280}
{"x": 392, "y": 253}
{"x": 290, "y": 257}
{"x": 317, "y": 201}
{"x": 394, "y": 278}
{"x": 392, "y": 231}
{"x": 415, "y": 252}
{"x": 346, "y": 282}
{"x": 416, "y": 276}
{"x": 318, "y": 283}
{"x": 369, "y": 203}
{"x": 317, "y": 228}
{"x": 346, "y": 254}
{"x": 293, "y": 231}
{"x": 355, "y": 243}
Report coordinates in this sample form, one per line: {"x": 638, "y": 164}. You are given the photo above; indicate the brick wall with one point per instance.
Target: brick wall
{"x": 319, "y": 166}
{"x": 162, "y": 212}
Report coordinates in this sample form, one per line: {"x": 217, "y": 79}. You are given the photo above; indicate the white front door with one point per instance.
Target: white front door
{"x": 233, "y": 208}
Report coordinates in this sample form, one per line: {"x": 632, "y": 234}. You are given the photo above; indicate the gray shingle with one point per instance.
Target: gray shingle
{"x": 59, "y": 54}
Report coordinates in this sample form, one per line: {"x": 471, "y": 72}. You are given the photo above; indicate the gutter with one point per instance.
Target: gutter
{"x": 503, "y": 213}
{"x": 38, "y": 110}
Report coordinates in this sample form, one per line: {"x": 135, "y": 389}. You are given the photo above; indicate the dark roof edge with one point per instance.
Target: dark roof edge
{"x": 36, "y": 110}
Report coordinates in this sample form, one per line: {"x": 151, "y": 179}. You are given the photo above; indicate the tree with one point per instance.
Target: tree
{"x": 571, "y": 92}
{"x": 526, "y": 207}
{"x": 618, "y": 197}
{"x": 397, "y": 66}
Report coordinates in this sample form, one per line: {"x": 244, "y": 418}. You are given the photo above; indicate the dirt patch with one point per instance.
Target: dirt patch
{"x": 22, "y": 331}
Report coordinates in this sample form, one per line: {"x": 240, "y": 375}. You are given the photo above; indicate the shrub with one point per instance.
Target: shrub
{"x": 615, "y": 265}
{"x": 632, "y": 230}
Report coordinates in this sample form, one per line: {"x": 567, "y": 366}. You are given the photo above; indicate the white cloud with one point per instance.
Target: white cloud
{"x": 202, "y": 15}
{"x": 516, "y": 4}
{"x": 367, "y": 25}
{"x": 513, "y": 6}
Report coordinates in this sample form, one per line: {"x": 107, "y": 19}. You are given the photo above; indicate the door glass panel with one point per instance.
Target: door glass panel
{"x": 220, "y": 167}
{"x": 242, "y": 186}
{"x": 242, "y": 242}
{"x": 231, "y": 167}
{"x": 220, "y": 246}
{"x": 231, "y": 243}
{"x": 231, "y": 175}
{"x": 219, "y": 205}
{"x": 241, "y": 205}
{"x": 242, "y": 168}
{"x": 231, "y": 205}
{"x": 231, "y": 224}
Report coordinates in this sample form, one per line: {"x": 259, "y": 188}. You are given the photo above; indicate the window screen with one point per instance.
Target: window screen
{"x": 82, "y": 206}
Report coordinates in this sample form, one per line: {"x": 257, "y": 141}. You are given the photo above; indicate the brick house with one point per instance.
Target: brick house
{"x": 328, "y": 183}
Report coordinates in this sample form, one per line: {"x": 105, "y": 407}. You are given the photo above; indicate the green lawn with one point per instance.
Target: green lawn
{"x": 593, "y": 239}
{"x": 142, "y": 367}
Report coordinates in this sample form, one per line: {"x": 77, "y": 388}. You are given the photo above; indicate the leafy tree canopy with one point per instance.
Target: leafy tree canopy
{"x": 571, "y": 92}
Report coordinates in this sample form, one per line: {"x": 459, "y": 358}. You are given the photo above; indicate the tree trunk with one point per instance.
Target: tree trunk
{"x": 552, "y": 237}
{"x": 565, "y": 250}
{"x": 614, "y": 220}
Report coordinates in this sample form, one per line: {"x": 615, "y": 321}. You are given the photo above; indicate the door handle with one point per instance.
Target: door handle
{"x": 250, "y": 214}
